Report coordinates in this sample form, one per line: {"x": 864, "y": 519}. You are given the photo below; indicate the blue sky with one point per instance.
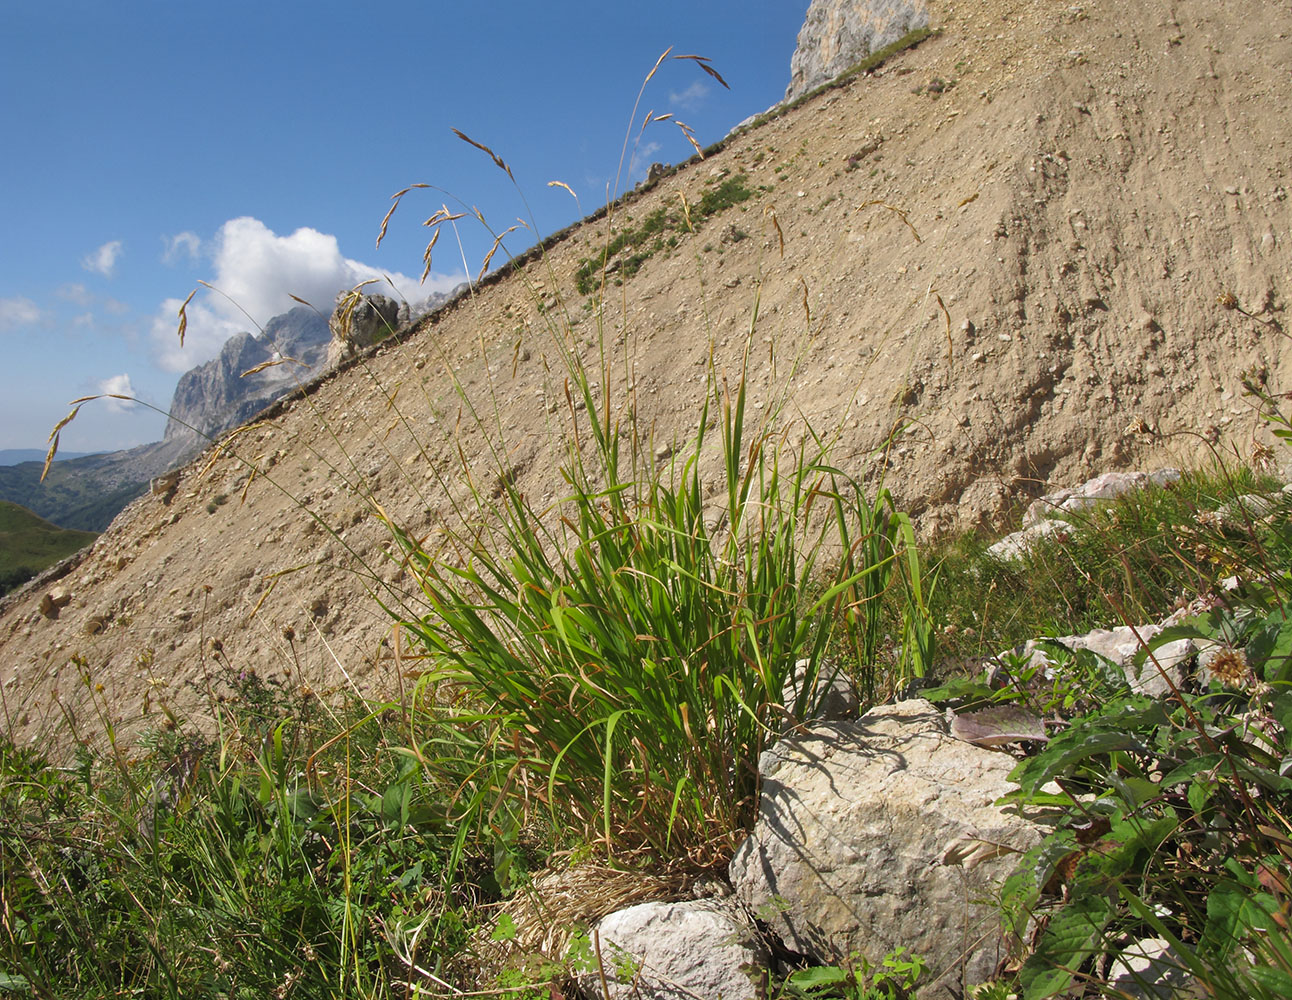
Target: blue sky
{"x": 151, "y": 144}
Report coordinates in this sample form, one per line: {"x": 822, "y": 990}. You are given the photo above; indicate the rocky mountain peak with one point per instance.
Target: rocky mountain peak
{"x": 838, "y": 34}
{"x": 225, "y": 391}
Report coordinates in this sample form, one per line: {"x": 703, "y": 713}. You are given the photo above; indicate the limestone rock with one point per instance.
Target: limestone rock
{"x": 882, "y": 833}
{"x": 1121, "y": 645}
{"x": 1105, "y": 487}
{"x": 679, "y": 951}
{"x": 838, "y": 34}
{"x": 832, "y": 699}
{"x": 54, "y": 602}
{"x": 360, "y": 325}
{"x": 1150, "y": 969}
{"x": 1038, "y": 520}
{"x": 165, "y": 484}
{"x": 1017, "y": 544}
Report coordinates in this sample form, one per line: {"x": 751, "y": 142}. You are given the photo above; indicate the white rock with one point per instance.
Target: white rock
{"x": 1120, "y": 646}
{"x": 1151, "y": 969}
{"x": 705, "y": 948}
{"x": 1104, "y": 487}
{"x": 1019, "y": 543}
{"x": 882, "y": 833}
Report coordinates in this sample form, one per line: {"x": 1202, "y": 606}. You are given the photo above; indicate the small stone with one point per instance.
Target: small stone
{"x": 54, "y": 602}
{"x": 667, "y": 951}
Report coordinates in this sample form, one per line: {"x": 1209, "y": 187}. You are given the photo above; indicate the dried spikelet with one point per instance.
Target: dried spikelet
{"x": 395, "y": 198}
{"x": 900, "y": 213}
{"x": 946, "y": 316}
{"x": 183, "y": 316}
{"x": 348, "y": 303}
{"x": 426, "y": 257}
{"x": 53, "y": 440}
{"x": 658, "y": 62}
{"x": 484, "y": 266}
{"x": 562, "y": 184}
{"x": 481, "y": 146}
{"x": 807, "y": 308}
{"x": 273, "y": 363}
{"x": 228, "y": 440}
{"x": 76, "y": 405}
{"x": 49, "y": 456}
{"x": 965, "y": 201}
{"x": 703, "y": 63}
{"x": 690, "y": 136}
{"x": 444, "y": 215}
{"x": 686, "y": 212}
{"x": 770, "y": 212}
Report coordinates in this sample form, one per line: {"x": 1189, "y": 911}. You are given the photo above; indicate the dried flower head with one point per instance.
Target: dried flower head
{"x": 1230, "y": 667}
{"x": 1210, "y": 520}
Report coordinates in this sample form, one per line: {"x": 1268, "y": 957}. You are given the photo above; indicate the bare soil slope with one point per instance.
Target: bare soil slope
{"x": 1083, "y": 186}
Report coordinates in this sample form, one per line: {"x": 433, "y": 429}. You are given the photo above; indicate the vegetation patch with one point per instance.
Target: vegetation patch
{"x": 29, "y": 544}
{"x": 624, "y": 254}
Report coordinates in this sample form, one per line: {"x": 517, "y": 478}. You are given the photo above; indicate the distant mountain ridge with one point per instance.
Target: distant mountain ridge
{"x": 85, "y": 493}
{"x": 250, "y": 373}
{"x": 16, "y": 456}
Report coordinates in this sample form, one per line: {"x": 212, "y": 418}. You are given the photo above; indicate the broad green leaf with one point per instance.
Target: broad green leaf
{"x": 1075, "y": 933}
{"x": 1270, "y": 649}
{"x": 818, "y": 978}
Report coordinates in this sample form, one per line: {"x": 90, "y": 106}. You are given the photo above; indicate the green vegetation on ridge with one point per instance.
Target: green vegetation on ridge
{"x": 633, "y": 245}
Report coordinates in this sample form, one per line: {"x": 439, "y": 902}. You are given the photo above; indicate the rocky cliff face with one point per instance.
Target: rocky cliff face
{"x": 838, "y": 34}
{"x": 227, "y": 391}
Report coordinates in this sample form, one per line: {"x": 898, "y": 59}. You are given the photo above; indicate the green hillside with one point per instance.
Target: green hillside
{"x": 83, "y": 493}
{"x": 29, "y": 544}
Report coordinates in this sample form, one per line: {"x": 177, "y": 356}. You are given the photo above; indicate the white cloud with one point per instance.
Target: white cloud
{"x": 207, "y": 331}
{"x": 75, "y": 292}
{"x": 691, "y": 98}
{"x": 258, "y": 272}
{"x": 18, "y": 312}
{"x": 83, "y": 320}
{"x": 118, "y": 385}
{"x": 182, "y": 246}
{"x": 103, "y": 260}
